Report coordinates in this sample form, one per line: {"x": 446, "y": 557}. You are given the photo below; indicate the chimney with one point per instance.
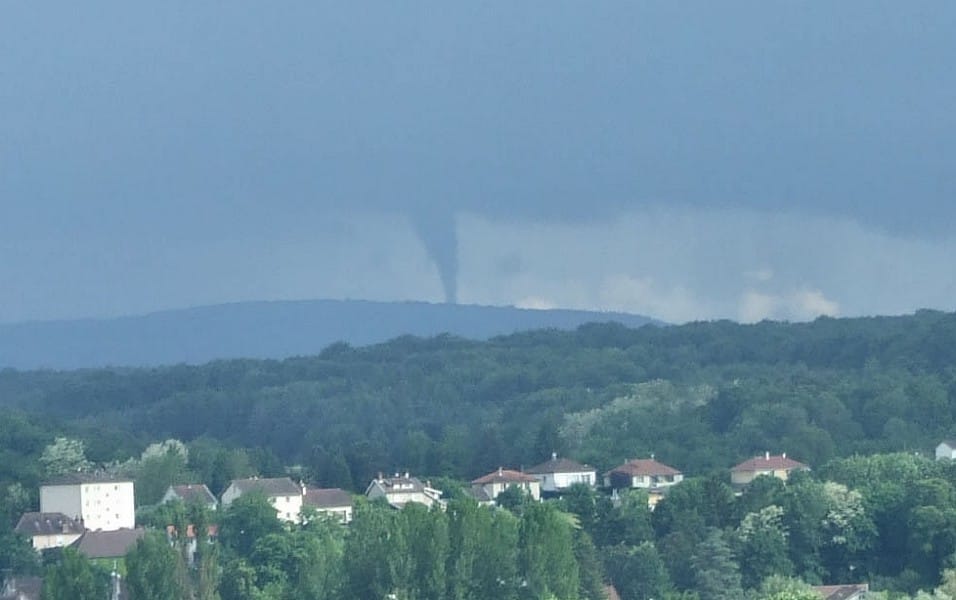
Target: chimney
{"x": 501, "y": 471}
{"x": 406, "y": 475}
{"x": 652, "y": 456}
{"x": 381, "y": 475}
{"x": 766, "y": 455}
{"x": 554, "y": 456}
{"x": 784, "y": 455}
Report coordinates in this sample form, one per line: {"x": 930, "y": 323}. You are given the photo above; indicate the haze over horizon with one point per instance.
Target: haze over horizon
{"x": 692, "y": 161}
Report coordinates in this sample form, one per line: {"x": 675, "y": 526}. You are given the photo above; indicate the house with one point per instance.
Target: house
{"x": 642, "y": 473}
{"x": 558, "y": 474}
{"x": 189, "y": 493}
{"x": 776, "y": 466}
{"x": 48, "y": 530}
{"x": 98, "y": 502}
{"x": 946, "y": 449}
{"x": 331, "y": 501}
{"x": 113, "y": 544}
{"x": 498, "y": 481}
{"x": 283, "y": 493}
{"x": 402, "y": 489}
{"x": 853, "y": 591}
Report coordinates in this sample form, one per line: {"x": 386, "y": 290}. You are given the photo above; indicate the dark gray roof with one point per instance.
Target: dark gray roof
{"x": 75, "y": 478}
{"x": 107, "y": 544}
{"x": 36, "y": 523}
{"x": 194, "y": 492}
{"x": 278, "y": 486}
{"x": 400, "y": 485}
{"x": 559, "y": 465}
{"x": 327, "y": 498}
{"x": 478, "y": 493}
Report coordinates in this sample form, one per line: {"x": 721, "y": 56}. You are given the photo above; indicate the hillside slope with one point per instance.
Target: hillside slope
{"x": 264, "y": 330}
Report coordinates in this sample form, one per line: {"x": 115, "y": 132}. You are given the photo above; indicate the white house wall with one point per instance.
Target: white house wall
{"x": 108, "y": 506}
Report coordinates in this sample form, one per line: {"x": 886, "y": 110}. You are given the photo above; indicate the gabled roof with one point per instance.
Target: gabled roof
{"x": 841, "y": 592}
{"x": 769, "y": 463}
{"x": 503, "y": 475}
{"x": 107, "y": 544}
{"x": 36, "y": 523}
{"x": 560, "y": 465}
{"x": 398, "y": 485}
{"x": 193, "y": 492}
{"x": 327, "y": 498}
{"x": 644, "y": 467}
{"x": 271, "y": 487}
{"x": 950, "y": 442}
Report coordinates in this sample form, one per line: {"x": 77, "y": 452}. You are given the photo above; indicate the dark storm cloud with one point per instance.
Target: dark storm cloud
{"x": 186, "y": 121}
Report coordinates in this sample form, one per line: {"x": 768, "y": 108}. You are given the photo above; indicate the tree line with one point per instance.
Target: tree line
{"x": 701, "y": 397}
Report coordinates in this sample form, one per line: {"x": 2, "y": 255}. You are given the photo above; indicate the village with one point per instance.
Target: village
{"x": 96, "y": 514}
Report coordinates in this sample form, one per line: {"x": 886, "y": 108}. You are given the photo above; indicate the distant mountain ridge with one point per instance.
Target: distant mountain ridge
{"x": 274, "y": 329}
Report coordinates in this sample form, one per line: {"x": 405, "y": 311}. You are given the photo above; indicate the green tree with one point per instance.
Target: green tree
{"x": 717, "y": 573}
{"x": 590, "y": 569}
{"x": 155, "y": 571}
{"x": 761, "y": 544}
{"x": 427, "y": 551}
{"x": 545, "y": 553}
{"x": 64, "y": 455}
{"x": 482, "y": 553}
{"x": 637, "y": 573}
{"x": 375, "y": 547}
{"x": 74, "y": 577}
{"x": 248, "y": 518}
{"x": 17, "y": 555}
{"x": 785, "y": 588}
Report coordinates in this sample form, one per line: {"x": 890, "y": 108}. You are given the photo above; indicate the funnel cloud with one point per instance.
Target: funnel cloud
{"x": 439, "y": 234}
{"x": 169, "y": 155}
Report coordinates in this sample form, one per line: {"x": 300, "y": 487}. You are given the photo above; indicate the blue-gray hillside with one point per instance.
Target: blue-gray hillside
{"x": 264, "y": 330}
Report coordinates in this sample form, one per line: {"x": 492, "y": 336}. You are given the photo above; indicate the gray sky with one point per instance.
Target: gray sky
{"x": 685, "y": 160}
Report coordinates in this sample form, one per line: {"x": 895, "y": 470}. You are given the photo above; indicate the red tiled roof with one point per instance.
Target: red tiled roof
{"x": 769, "y": 463}
{"x": 504, "y": 476}
{"x": 644, "y": 466}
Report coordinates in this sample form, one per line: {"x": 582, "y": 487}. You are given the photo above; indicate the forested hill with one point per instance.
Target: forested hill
{"x": 264, "y": 330}
{"x": 700, "y": 396}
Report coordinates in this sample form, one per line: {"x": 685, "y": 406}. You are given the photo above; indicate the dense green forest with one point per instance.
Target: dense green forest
{"x": 857, "y": 399}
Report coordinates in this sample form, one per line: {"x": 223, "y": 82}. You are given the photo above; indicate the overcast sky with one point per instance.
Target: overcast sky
{"x": 689, "y": 160}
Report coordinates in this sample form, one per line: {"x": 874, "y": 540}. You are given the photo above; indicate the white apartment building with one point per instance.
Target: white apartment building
{"x": 97, "y": 502}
